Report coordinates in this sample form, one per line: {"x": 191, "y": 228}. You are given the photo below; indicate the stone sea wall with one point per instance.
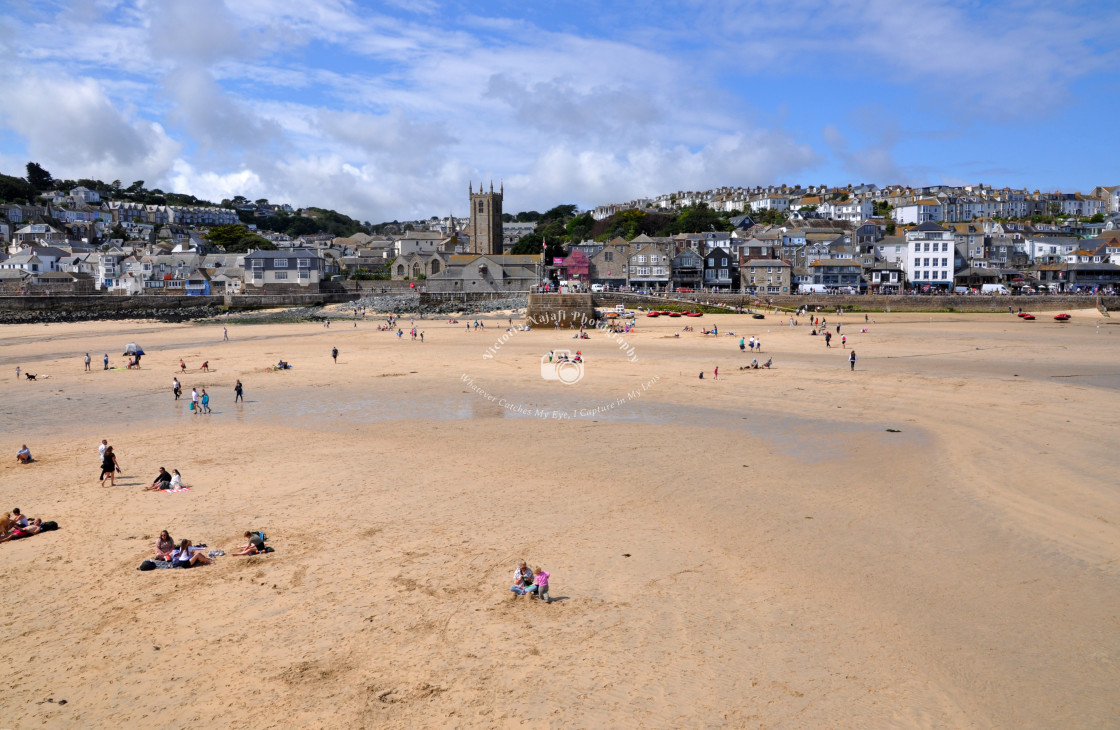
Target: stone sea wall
{"x": 77, "y": 308}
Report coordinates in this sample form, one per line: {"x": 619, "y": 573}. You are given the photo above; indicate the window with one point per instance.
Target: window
{"x": 304, "y": 263}
{"x": 280, "y": 263}
{"x": 723, "y": 262}
{"x": 305, "y": 274}
{"x": 258, "y": 263}
{"x": 608, "y": 256}
{"x": 723, "y": 273}
{"x": 480, "y": 206}
{"x": 944, "y": 262}
{"x": 927, "y": 247}
{"x": 641, "y": 259}
{"x": 711, "y": 262}
{"x": 281, "y": 275}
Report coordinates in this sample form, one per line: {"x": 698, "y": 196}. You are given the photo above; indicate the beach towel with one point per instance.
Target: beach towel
{"x": 177, "y": 489}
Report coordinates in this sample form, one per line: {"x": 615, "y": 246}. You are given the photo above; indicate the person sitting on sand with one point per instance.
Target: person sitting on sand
{"x": 23, "y": 456}
{"x": 522, "y": 578}
{"x": 162, "y": 480}
{"x": 253, "y": 547}
{"x": 188, "y": 557}
{"x": 25, "y": 531}
{"x": 176, "y": 481}
{"x": 165, "y": 545}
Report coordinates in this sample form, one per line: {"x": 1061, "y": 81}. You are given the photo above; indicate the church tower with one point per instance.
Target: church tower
{"x": 486, "y": 220}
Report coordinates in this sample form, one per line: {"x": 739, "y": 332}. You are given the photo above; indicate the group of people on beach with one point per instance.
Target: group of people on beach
{"x": 532, "y": 583}
{"x": 168, "y": 482}
{"x": 15, "y": 525}
{"x": 185, "y": 554}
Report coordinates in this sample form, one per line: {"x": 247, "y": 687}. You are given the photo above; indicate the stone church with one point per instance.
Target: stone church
{"x": 486, "y": 220}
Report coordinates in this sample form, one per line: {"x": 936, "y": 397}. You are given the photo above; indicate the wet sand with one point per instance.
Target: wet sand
{"x": 757, "y": 551}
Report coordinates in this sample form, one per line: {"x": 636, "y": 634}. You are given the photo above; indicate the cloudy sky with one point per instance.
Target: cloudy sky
{"x": 388, "y": 110}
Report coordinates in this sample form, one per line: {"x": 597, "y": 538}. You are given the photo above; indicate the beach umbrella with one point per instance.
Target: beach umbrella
{"x": 133, "y": 349}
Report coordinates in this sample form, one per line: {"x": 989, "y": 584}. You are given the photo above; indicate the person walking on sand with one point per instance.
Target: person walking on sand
{"x": 102, "y": 449}
{"x": 109, "y": 466}
{"x": 852, "y": 360}
{"x": 742, "y": 344}
{"x": 182, "y": 366}
{"x": 334, "y": 355}
{"x": 239, "y": 393}
{"x": 225, "y": 335}
{"x": 176, "y": 387}
{"x": 715, "y": 373}
{"x": 828, "y": 339}
{"x": 194, "y": 401}
{"x": 844, "y": 341}
{"x": 87, "y": 362}
{"x": 17, "y": 372}
{"x": 105, "y": 361}
{"x": 205, "y": 402}
{"x": 758, "y": 345}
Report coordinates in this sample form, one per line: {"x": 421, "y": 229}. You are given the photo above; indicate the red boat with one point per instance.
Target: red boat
{"x": 674, "y": 314}
{"x": 694, "y": 314}
{"x": 1027, "y": 316}
{"x": 1063, "y": 317}
{"x": 1021, "y": 314}
{"x": 653, "y": 314}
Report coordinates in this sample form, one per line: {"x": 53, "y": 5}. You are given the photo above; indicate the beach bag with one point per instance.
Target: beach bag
{"x": 48, "y": 526}
{"x": 147, "y": 565}
{"x": 192, "y": 405}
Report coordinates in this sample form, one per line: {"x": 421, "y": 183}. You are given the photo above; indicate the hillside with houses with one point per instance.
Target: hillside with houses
{"x": 97, "y": 238}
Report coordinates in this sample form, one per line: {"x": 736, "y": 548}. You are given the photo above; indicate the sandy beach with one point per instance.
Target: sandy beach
{"x": 930, "y": 540}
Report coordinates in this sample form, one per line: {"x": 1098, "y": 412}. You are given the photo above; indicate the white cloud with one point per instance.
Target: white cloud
{"x": 72, "y": 127}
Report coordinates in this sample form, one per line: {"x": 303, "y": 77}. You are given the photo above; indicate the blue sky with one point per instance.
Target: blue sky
{"x": 388, "y": 110}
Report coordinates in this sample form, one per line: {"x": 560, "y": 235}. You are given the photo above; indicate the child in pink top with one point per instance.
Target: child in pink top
{"x": 540, "y": 582}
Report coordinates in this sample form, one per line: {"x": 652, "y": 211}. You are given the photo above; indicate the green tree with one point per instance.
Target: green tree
{"x": 528, "y": 216}
{"x": 118, "y": 231}
{"x": 1097, "y": 218}
{"x": 579, "y": 228}
{"x": 38, "y": 178}
{"x": 698, "y": 219}
{"x": 237, "y": 239}
{"x": 560, "y": 213}
{"x": 13, "y": 189}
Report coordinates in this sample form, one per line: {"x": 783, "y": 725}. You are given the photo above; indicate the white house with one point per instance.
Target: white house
{"x": 929, "y": 255}
{"x": 85, "y": 196}
{"x": 851, "y": 209}
{"x": 770, "y": 202}
{"x": 920, "y": 211}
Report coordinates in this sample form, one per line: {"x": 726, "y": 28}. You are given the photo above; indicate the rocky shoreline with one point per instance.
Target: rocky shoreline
{"x": 402, "y": 304}
{"x": 90, "y": 315}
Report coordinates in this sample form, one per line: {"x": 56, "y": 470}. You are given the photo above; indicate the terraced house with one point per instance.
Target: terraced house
{"x": 298, "y": 271}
